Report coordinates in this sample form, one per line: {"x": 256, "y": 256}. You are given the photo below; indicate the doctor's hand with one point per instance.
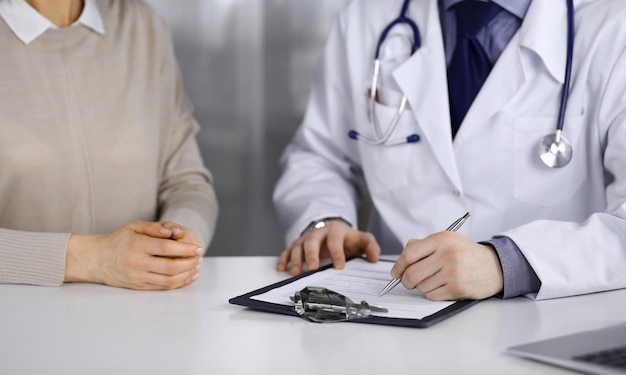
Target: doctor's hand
{"x": 140, "y": 255}
{"x": 448, "y": 266}
{"x": 336, "y": 240}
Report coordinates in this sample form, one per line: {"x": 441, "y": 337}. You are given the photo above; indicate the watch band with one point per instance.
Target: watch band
{"x": 316, "y": 224}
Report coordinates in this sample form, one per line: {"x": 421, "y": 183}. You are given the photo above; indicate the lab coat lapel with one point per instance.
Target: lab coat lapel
{"x": 423, "y": 80}
{"x": 544, "y": 33}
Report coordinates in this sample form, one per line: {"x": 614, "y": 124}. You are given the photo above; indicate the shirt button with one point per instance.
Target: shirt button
{"x": 456, "y": 193}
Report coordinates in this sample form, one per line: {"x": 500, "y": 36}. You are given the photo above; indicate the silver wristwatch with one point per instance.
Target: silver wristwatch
{"x": 317, "y": 224}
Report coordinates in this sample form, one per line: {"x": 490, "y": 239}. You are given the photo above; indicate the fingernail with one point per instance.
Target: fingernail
{"x": 200, "y": 260}
{"x": 176, "y": 231}
{"x": 198, "y": 267}
{"x": 198, "y": 251}
{"x": 164, "y": 231}
{"x": 195, "y": 277}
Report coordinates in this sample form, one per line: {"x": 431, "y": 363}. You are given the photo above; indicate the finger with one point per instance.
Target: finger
{"x": 151, "y": 229}
{"x": 167, "y": 282}
{"x": 431, "y": 283}
{"x": 167, "y": 248}
{"x": 312, "y": 243}
{"x": 335, "y": 246}
{"x": 181, "y": 233}
{"x": 283, "y": 259}
{"x": 311, "y": 248}
{"x": 173, "y": 266}
{"x": 414, "y": 251}
{"x": 454, "y": 291}
{"x": 178, "y": 231}
{"x": 372, "y": 250}
{"x": 295, "y": 259}
{"x": 365, "y": 243}
{"x": 440, "y": 294}
{"x": 190, "y": 237}
{"x": 425, "y": 269}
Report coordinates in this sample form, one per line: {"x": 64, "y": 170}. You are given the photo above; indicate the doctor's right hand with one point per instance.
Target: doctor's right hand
{"x": 336, "y": 240}
{"x": 140, "y": 255}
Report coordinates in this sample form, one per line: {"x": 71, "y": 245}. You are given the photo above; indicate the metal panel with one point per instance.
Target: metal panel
{"x": 247, "y": 67}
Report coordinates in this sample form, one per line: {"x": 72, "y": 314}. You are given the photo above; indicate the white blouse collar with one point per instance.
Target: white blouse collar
{"x": 27, "y": 24}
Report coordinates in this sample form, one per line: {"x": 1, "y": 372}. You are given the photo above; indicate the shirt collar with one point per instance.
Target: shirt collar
{"x": 515, "y": 7}
{"x": 27, "y": 24}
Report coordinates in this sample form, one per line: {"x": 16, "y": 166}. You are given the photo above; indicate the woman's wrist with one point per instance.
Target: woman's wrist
{"x": 80, "y": 259}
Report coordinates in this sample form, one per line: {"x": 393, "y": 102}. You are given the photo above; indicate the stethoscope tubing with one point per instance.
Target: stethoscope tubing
{"x": 383, "y": 139}
{"x": 402, "y": 19}
{"x": 568, "y": 69}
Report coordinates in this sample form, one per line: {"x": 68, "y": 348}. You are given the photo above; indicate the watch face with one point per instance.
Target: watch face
{"x": 322, "y": 223}
{"x": 319, "y": 225}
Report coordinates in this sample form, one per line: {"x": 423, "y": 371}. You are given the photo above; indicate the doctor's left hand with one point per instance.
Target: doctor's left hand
{"x": 448, "y": 266}
{"x": 336, "y": 240}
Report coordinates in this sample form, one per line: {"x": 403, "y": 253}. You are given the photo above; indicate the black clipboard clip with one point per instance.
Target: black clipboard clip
{"x": 321, "y": 305}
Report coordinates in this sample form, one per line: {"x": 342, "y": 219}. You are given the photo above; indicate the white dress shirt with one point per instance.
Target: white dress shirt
{"x": 27, "y": 24}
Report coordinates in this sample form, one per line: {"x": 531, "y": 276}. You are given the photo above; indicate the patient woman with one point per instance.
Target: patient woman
{"x": 101, "y": 179}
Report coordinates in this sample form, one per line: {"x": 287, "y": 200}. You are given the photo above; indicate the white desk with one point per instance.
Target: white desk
{"x": 92, "y": 329}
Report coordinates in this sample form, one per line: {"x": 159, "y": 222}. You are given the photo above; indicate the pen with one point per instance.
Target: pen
{"x": 452, "y": 228}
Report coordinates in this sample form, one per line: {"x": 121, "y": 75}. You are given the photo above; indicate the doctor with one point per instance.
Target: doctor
{"x": 430, "y": 142}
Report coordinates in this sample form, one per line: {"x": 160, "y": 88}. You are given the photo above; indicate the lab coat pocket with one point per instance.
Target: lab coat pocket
{"x": 386, "y": 167}
{"x": 536, "y": 183}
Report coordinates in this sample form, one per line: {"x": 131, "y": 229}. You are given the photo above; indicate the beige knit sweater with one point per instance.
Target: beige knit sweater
{"x": 95, "y": 132}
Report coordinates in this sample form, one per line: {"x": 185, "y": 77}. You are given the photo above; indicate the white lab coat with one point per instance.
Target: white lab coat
{"x": 568, "y": 222}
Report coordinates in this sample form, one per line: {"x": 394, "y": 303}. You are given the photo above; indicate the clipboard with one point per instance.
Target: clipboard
{"x": 247, "y": 300}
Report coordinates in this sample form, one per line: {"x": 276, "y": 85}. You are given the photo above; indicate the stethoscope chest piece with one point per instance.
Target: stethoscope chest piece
{"x": 555, "y": 150}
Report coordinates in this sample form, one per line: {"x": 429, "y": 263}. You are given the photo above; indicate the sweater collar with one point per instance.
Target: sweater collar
{"x": 27, "y": 24}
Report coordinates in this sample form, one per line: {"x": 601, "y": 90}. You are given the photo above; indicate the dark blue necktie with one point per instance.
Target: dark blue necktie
{"x": 470, "y": 65}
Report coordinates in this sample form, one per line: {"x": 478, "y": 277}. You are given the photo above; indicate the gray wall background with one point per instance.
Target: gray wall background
{"x": 247, "y": 66}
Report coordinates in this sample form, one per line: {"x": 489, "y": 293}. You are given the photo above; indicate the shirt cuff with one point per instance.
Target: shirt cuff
{"x": 519, "y": 277}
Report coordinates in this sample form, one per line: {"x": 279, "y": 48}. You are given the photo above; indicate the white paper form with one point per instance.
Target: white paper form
{"x": 361, "y": 280}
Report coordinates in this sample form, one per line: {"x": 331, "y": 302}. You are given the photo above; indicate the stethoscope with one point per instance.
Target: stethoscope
{"x": 554, "y": 149}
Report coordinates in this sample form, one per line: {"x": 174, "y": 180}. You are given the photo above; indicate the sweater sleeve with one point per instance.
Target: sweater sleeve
{"x": 32, "y": 258}
{"x": 186, "y": 194}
